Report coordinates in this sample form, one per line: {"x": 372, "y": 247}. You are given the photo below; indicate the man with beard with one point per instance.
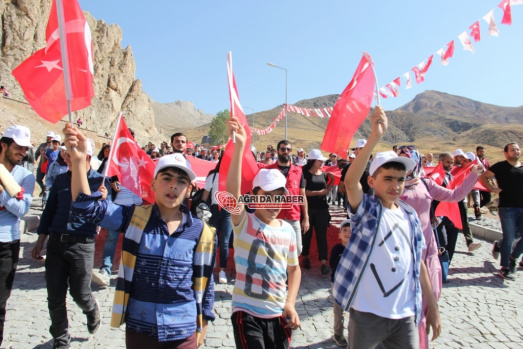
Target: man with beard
{"x": 179, "y": 144}
{"x": 296, "y": 186}
{"x": 13, "y": 148}
{"x": 509, "y": 175}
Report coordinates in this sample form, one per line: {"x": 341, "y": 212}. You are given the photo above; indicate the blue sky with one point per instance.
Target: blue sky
{"x": 180, "y": 48}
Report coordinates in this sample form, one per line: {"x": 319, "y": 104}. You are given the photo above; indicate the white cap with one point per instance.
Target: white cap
{"x": 156, "y": 150}
{"x": 62, "y": 147}
{"x": 57, "y": 138}
{"x": 352, "y": 156}
{"x": 360, "y": 143}
{"x": 300, "y": 150}
{"x": 347, "y": 221}
{"x": 90, "y": 147}
{"x": 50, "y": 134}
{"x": 316, "y": 154}
{"x": 470, "y": 155}
{"x": 458, "y": 152}
{"x": 174, "y": 160}
{"x": 390, "y": 156}
{"x": 269, "y": 180}
{"x": 20, "y": 134}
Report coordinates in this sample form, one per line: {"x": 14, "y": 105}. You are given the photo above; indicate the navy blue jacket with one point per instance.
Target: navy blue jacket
{"x": 56, "y": 217}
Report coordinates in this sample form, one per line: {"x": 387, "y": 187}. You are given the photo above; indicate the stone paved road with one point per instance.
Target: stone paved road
{"x": 479, "y": 310}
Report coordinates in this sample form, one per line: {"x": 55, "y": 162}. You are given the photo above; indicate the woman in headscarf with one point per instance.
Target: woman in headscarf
{"x": 419, "y": 193}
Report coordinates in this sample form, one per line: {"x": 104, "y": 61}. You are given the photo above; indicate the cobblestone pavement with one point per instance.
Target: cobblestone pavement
{"x": 479, "y": 310}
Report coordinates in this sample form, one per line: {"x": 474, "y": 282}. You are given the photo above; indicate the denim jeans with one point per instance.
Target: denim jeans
{"x": 111, "y": 241}
{"x": 9, "y": 252}
{"x": 68, "y": 264}
{"x": 221, "y": 220}
{"x": 511, "y": 221}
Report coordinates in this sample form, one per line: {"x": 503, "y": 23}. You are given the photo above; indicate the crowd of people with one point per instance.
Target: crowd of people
{"x": 386, "y": 270}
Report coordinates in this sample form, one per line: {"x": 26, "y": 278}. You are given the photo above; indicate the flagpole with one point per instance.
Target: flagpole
{"x": 65, "y": 58}
{"x": 111, "y": 151}
{"x": 375, "y": 77}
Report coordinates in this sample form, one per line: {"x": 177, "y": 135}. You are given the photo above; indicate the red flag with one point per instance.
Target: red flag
{"x": 507, "y": 12}
{"x": 201, "y": 168}
{"x": 475, "y": 32}
{"x": 451, "y": 209}
{"x": 132, "y": 165}
{"x": 41, "y": 76}
{"x": 449, "y": 53}
{"x": 335, "y": 170}
{"x": 249, "y": 167}
{"x": 351, "y": 109}
{"x": 437, "y": 173}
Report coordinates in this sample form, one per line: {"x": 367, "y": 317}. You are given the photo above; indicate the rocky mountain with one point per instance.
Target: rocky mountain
{"x": 178, "y": 116}
{"x": 23, "y": 26}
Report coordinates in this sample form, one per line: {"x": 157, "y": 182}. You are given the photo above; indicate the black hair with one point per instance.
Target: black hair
{"x": 309, "y": 164}
{"x": 216, "y": 169}
{"x": 131, "y": 132}
{"x": 177, "y": 134}
{"x": 101, "y": 153}
{"x": 479, "y": 147}
{"x": 345, "y": 225}
{"x": 7, "y": 141}
{"x": 394, "y": 165}
{"x": 509, "y": 144}
{"x": 176, "y": 170}
{"x": 286, "y": 142}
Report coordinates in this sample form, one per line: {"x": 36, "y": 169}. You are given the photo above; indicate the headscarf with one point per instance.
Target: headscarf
{"x": 413, "y": 178}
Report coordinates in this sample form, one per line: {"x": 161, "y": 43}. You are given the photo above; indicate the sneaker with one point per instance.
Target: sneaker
{"x": 477, "y": 212}
{"x": 340, "y": 341}
{"x": 474, "y": 246}
{"x": 306, "y": 263}
{"x": 504, "y": 273}
{"x": 222, "y": 277}
{"x": 93, "y": 320}
{"x": 512, "y": 265}
{"x": 495, "y": 250}
{"x": 101, "y": 277}
{"x": 325, "y": 269}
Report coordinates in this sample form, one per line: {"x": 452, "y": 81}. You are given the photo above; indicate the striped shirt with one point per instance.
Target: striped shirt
{"x": 261, "y": 255}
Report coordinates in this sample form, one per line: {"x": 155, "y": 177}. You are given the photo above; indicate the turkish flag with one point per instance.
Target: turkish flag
{"x": 475, "y": 32}
{"x": 335, "y": 170}
{"x": 436, "y": 173}
{"x": 350, "y": 109}
{"x": 132, "y": 165}
{"x": 507, "y": 12}
{"x": 249, "y": 167}
{"x": 42, "y": 77}
{"x": 451, "y": 209}
{"x": 201, "y": 169}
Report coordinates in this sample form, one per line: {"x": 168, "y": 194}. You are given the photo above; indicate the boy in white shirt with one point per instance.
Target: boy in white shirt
{"x": 383, "y": 257}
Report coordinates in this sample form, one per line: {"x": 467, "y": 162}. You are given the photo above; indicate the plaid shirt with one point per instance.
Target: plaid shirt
{"x": 365, "y": 224}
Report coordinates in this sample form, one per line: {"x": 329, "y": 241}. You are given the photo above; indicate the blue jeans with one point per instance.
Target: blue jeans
{"x": 221, "y": 220}
{"x": 511, "y": 221}
{"x": 68, "y": 264}
{"x": 109, "y": 249}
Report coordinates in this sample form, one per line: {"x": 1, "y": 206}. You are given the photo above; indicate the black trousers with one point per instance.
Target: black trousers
{"x": 319, "y": 221}
{"x": 251, "y": 332}
{"x": 68, "y": 264}
{"x": 8, "y": 262}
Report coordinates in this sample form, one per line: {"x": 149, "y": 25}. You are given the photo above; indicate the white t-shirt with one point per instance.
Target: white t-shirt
{"x": 212, "y": 184}
{"x": 386, "y": 288}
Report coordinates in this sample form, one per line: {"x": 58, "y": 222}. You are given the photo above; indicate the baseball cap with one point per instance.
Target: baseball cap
{"x": 156, "y": 150}
{"x": 360, "y": 143}
{"x": 470, "y": 155}
{"x": 333, "y": 154}
{"x": 62, "y": 147}
{"x": 57, "y": 138}
{"x": 50, "y": 134}
{"x": 316, "y": 154}
{"x": 300, "y": 150}
{"x": 458, "y": 152}
{"x": 269, "y": 180}
{"x": 352, "y": 156}
{"x": 390, "y": 156}
{"x": 347, "y": 221}
{"x": 174, "y": 160}
{"x": 20, "y": 134}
